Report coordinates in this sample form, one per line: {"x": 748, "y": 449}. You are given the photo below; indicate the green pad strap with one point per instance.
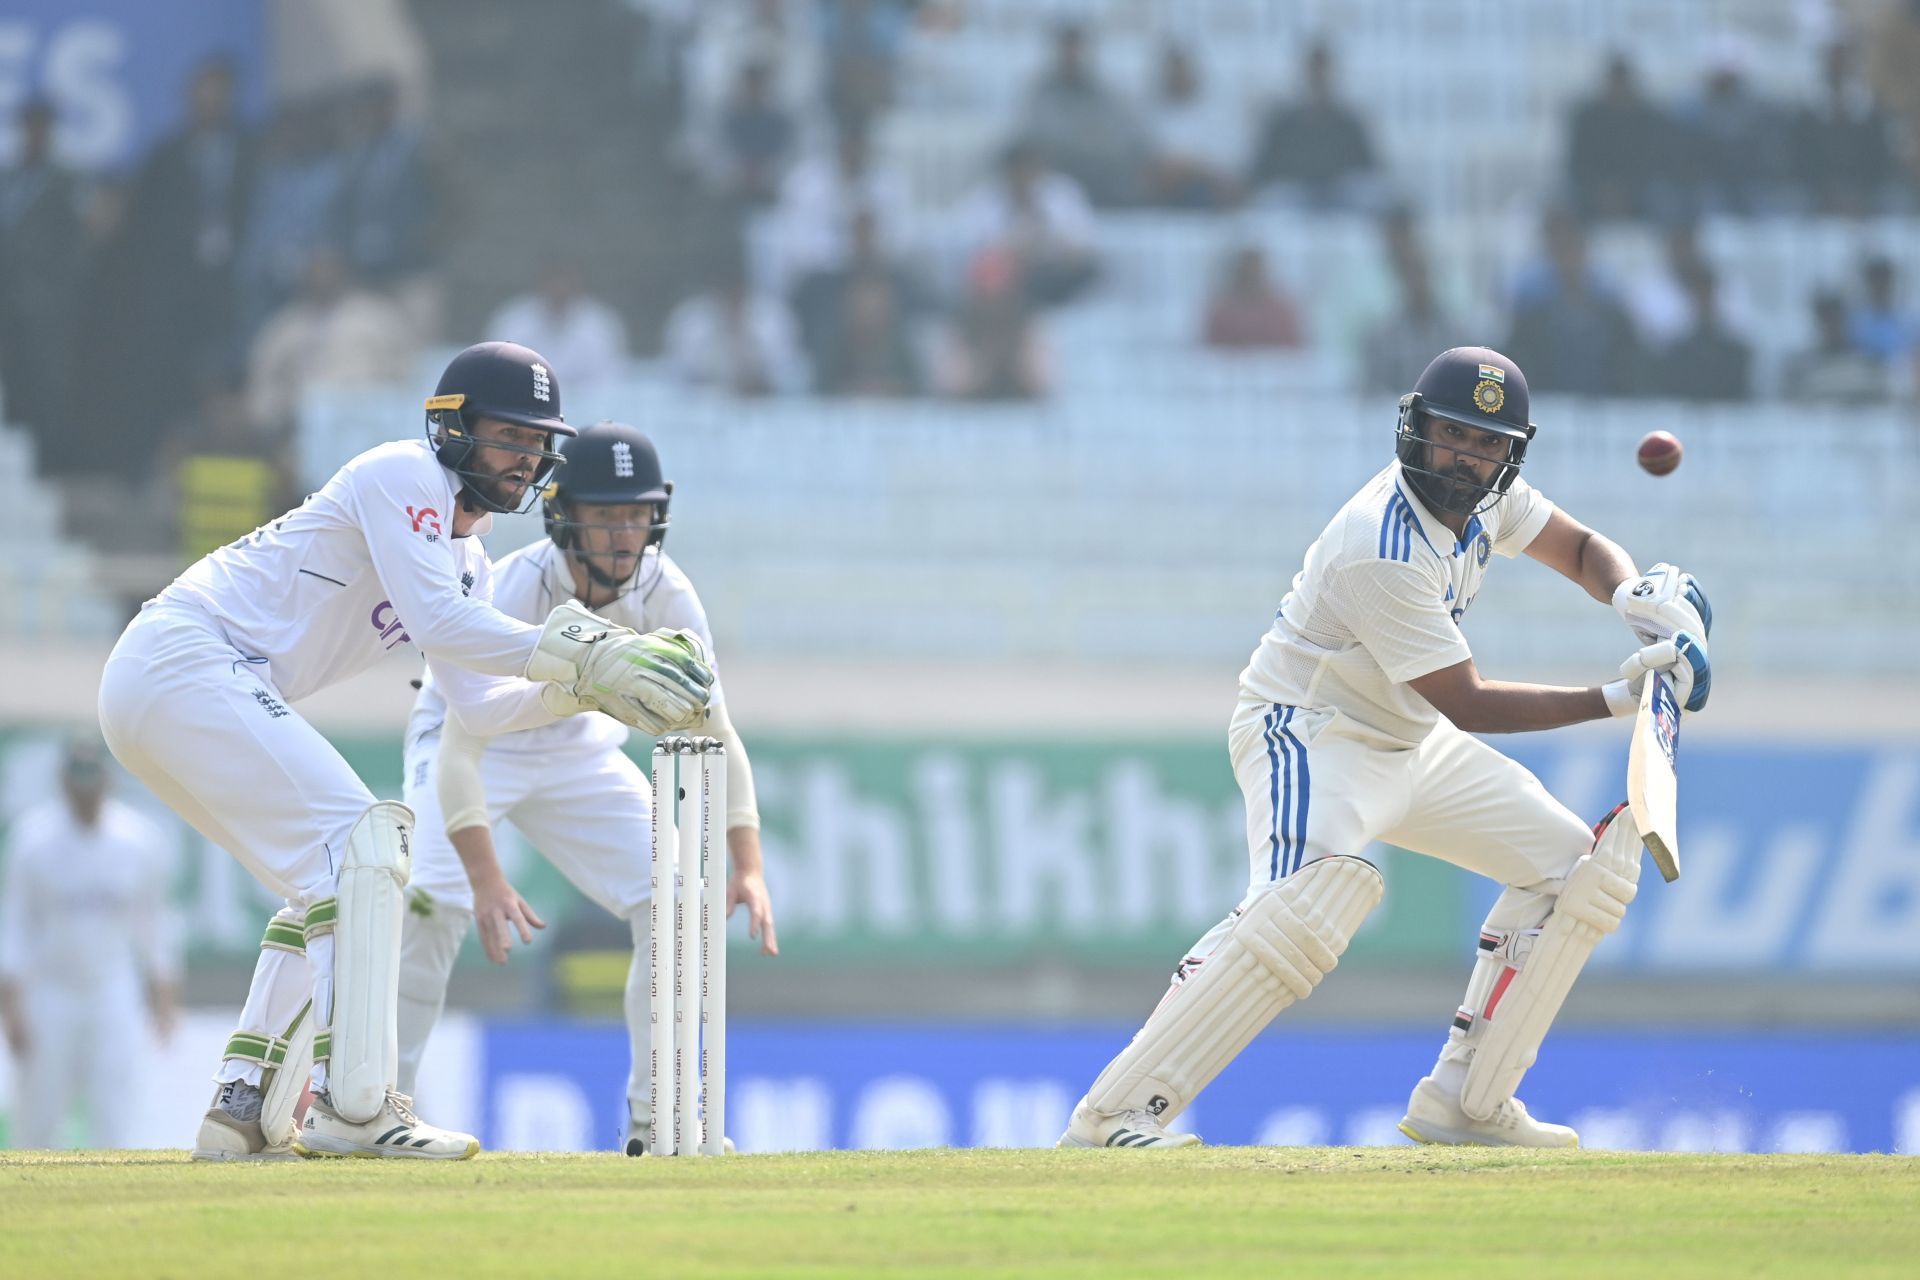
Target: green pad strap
{"x": 322, "y": 1046}
{"x": 284, "y": 935}
{"x": 320, "y": 917}
{"x": 268, "y": 1051}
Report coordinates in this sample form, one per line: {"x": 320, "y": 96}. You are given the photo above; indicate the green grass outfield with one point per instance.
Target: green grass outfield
{"x": 1206, "y": 1212}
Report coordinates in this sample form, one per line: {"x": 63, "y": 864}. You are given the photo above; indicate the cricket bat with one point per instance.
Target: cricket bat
{"x": 1652, "y": 789}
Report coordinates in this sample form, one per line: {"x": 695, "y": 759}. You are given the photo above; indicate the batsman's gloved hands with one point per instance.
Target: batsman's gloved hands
{"x": 1684, "y": 659}
{"x": 1663, "y": 601}
{"x": 657, "y": 683}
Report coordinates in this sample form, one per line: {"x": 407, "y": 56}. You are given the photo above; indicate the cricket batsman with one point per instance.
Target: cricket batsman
{"x": 1354, "y": 724}
{"x": 197, "y": 702}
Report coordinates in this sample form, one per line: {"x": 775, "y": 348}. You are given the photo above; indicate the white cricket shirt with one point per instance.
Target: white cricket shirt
{"x": 84, "y": 907}
{"x": 1379, "y": 602}
{"x": 363, "y": 566}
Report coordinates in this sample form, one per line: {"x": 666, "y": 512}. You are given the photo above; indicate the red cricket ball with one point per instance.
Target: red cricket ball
{"x": 1659, "y": 452}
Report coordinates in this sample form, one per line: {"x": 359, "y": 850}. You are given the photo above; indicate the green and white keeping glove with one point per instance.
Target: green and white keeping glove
{"x": 657, "y": 683}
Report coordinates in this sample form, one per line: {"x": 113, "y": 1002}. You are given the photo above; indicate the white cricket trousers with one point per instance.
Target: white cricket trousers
{"x": 85, "y": 1039}
{"x": 202, "y": 725}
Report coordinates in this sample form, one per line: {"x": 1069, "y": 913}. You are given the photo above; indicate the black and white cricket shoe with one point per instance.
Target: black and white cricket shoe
{"x": 395, "y": 1133}
{"x": 1129, "y": 1129}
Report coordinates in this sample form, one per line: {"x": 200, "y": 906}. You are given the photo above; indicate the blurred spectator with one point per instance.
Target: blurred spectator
{"x": 993, "y": 349}
{"x": 389, "y": 202}
{"x": 105, "y": 438}
{"x": 1619, "y": 150}
{"x": 1733, "y": 143}
{"x": 298, "y": 205}
{"x": 1248, "y": 312}
{"x": 1892, "y": 45}
{"x": 1083, "y": 128}
{"x": 89, "y": 956}
{"x": 861, "y": 42}
{"x": 1569, "y": 331}
{"x": 1041, "y": 218}
{"x": 1843, "y": 154}
{"x": 820, "y": 198}
{"x": 755, "y": 139}
{"x": 824, "y": 307}
{"x": 1199, "y": 141}
{"x": 780, "y": 35}
{"x": 1396, "y": 350}
{"x": 1661, "y": 301}
{"x": 581, "y": 336}
{"x": 333, "y": 333}
{"x": 1833, "y": 370}
{"x": 41, "y": 243}
{"x": 1707, "y": 362}
{"x": 869, "y": 346}
{"x": 735, "y": 339}
{"x": 189, "y": 212}
{"x": 1316, "y": 150}
{"x": 1879, "y": 324}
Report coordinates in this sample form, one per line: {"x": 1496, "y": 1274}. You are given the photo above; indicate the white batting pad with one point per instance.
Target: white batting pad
{"x": 1279, "y": 948}
{"x": 364, "y": 1053}
{"x": 1528, "y": 994}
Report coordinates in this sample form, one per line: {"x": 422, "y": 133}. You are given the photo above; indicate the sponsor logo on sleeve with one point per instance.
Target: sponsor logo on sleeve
{"x": 388, "y": 624}
{"x": 425, "y": 520}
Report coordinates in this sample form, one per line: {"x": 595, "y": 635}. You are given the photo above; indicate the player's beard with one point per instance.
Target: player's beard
{"x": 501, "y": 490}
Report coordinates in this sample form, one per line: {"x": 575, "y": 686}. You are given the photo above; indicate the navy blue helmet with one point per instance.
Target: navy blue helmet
{"x": 607, "y": 463}
{"x": 1478, "y": 388}
{"x": 503, "y": 381}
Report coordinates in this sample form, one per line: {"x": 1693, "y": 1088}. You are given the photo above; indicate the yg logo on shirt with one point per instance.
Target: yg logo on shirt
{"x": 426, "y": 516}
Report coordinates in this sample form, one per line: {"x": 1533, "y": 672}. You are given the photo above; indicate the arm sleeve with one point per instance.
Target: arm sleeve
{"x": 743, "y": 807}
{"x": 422, "y": 578}
{"x": 1523, "y": 513}
{"x": 15, "y": 911}
{"x": 488, "y": 705}
{"x": 1398, "y": 614}
{"x": 463, "y": 796}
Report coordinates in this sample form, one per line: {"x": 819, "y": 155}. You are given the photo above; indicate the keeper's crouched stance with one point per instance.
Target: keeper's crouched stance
{"x": 1355, "y": 724}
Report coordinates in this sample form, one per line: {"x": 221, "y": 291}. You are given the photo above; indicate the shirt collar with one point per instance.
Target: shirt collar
{"x": 1437, "y": 534}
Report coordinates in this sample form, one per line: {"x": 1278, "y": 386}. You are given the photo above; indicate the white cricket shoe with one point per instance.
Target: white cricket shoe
{"x": 1088, "y": 1128}
{"x": 231, "y": 1128}
{"x": 1434, "y": 1116}
{"x": 394, "y": 1133}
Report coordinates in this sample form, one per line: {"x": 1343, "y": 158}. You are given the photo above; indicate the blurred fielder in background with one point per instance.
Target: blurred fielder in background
{"x": 1354, "y": 725}
{"x": 567, "y": 786}
{"x": 89, "y": 952}
{"x": 196, "y": 701}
